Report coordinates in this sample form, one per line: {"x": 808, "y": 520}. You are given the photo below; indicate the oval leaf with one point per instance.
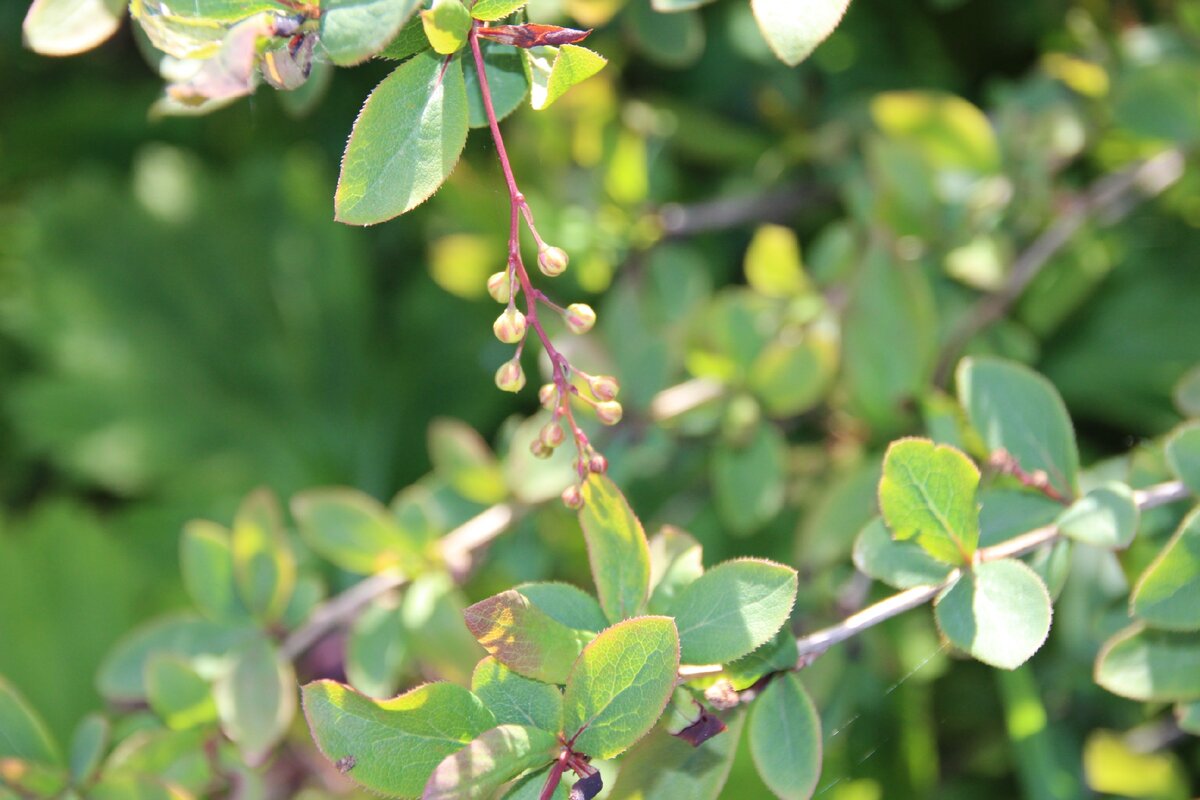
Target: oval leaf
{"x": 999, "y": 613}
{"x": 1153, "y": 666}
{"x": 206, "y": 561}
{"x": 620, "y": 685}
{"x": 67, "y": 27}
{"x": 462, "y": 458}
{"x": 354, "y": 30}
{"x": 617, "y": 548}
{"x": 675, "y": 561}
{"x": 396, "y": 744}
{"x": 351, "y": 529}
{"x": 1183, "y": 454}
{"x": 489, "y": 762}
{"x": 794, "y": 28}
{"x": 26, "y": 737}
{"x": 567, "y": 604}
{"x": 785, "y": 738}
{"x": 491, "y": 10}
{"x": 927, "y": 494}
{"x": 256, "y": 699}
{"x": 665, "y": 767}
{"x": 405, "y": 142}
{"x": 523, "y": 638}
{"x": 1106, "y": 516}
{"x": 263, "y": 565}
{"x": 1168, "y": 593}
{"x": 748, "y": 480}
{"x": 1014, "y": 408}
{"x": 177, "y": 693}
{"x": 732, "y": 609}
{"x": 88, "y": 745}
{"x": 377, "y": 651}
{"x": 899, "y": 564}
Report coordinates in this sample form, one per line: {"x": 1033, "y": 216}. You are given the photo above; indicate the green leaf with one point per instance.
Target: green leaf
{"x": 1014, "y": 408}
{"x": 133, "y": 787}
{"x": 554, "y": 70}
{"x": 999, "y": 612}
{"x": 354, "y": 30}
{"x": 377, "y": 651}
{"x": 507, "y": 82}
{"x": 664, "y": 767}
{"x": 1005, "y": 513}
{"x": 515, "y": 699}
{"x": 794, "y": 28}
{"x": 351, "y": 529}
{"x": 405, "y": 142}
{"x": 67, "y": 27}
{"x": 889, "y": 339}
{"x": 772, "y": 264}
{"x": 748, "y": 480}
{"x": 264, "y": 568}
{"x": 617, "y": 548}
{"x": 792, "y": 376}
{"x": 949, "y": 131}
{"x": 1150, "y": 665}
{"x": 432, "y": 611}
{"x": 395, "y": 744}
{"x": 177, "y": 693}
{"x": 491, "y": 10}
{"x": 25, "y": 734}
{"x": 88, "y": 745}
{"x": 530, "y": 788}
{"x": 256, "y": 699}
{"x": 523, "y": 638}
{"x": 1106, "y": 517}
{"x": 206, "y": 561}
{"x": 407, "y": 43}
{"x": 785, "y": 738}
{"x": 927, "y": 493}
{"x": 447, "y": 23}
{"x": 490, "y": 761}
{"x": 1168, "y": 593}
{"x": 900, "y": 564}
{"x": 536, "y": 480}
{"x": 1183, "y": 454}
{"x": 733, "y": 608}
{"x": 620, "y": 685}
{"x": 776, "y": 655}
{"x": 675, "y": 561}
{"x": 567, "y": 604}
{"x": 462, "y": 458}
{"x": 121, "y": 674}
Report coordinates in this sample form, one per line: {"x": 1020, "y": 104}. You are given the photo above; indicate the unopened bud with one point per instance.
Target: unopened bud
{"x": 580, "y": 317}
{"x": 598, "y": 464}
{"x": 509, "y": 327}
{"x": 552, "y": 261}
{"x": 609, "y": 412}
{"x": 552, "y": 434}
{"x": 500, "y": 287}
{"x": 548, "y": 396}
{"x": 539, "y": 449}
{"x": 510, "y": 377}
{"x": 604, "y": 387}
{"x": 572, "y": 498}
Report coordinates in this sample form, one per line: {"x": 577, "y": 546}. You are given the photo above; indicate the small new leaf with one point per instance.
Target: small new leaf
{"x": 447, "y": 23}
{"x": 617, "y": 548}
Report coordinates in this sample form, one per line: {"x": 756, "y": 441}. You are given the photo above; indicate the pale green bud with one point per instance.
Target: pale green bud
{"x": 500, "y": 287}
{"x": 598, "y": 464}
{"x": 552, "y": 434}
{"x": 572, "y": 498}
{"x": 548, "y": 396}
{"x": 604, "y": 387}
{"x": 552, "y": 261}
{"x": 510, "y": 377}
{"x": 580, "y": 317}
{"x": 539, "y": 449}
{"x": 509, "y": 327}
{"x": 609, "y": 412}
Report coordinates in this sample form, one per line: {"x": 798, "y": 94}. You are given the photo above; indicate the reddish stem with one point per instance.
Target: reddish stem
{"x": 552, "y": 779}
{"x": 560, "y": 366}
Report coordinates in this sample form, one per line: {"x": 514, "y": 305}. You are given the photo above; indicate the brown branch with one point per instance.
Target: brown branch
{"x": 778, "y": 205}
{"x": 1110, "y": 197}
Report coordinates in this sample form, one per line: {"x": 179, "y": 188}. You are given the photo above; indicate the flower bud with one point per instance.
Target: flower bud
{"x": 552, "y": 261}
{"x": 598, "y": 464}
{"x": 510, "y": 377}
{"x": 539, "y": 449}
{"x": 609, "y": 412}
{"x": 572, "y": 498}
{"x": 509, "y": 327}
{"x": 500, "y": 287}
{"x": 552, "y": 435}
{"x": 548, "y": 396}
{"x": 604, "y": 387}
{"x": 580, "y": 317}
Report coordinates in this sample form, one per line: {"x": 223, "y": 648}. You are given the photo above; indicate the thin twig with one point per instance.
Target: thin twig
{"x": 456, "y": 548}
{"x": 820, "y": 641}
{"x": 779, "y": 205}
{"x": 1111, "y": 197}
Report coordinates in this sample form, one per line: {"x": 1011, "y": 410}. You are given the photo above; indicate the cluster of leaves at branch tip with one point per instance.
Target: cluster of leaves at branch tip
{"x": 569, "y": 677}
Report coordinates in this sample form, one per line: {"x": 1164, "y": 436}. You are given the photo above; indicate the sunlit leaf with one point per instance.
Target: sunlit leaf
{"x": 66, "y": 27}
{"x": 206, "y": 561}
{"x": 177, "y": 693}
{"x": 446, "y": 24}
{"x": 515, "y": 699}
{"x": 794, "y": 28}
{"x": 523, "y": 638}
{"x": 999, "y": 612}
{"x": 264, "y": 568}
{"x": 617, "y": 548}
{"x": 489, "y": 761}
{"x": 256, "y": 699}
{"x": 901, "y": 564}
{"x": 1106, "y": 516}
{"x": 927, "y": 494}
{"x": 1168, "y": 593}
{"x": 354, "y": 30}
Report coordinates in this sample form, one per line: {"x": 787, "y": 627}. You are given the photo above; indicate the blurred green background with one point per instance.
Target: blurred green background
{"x": 181, "y": 320}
